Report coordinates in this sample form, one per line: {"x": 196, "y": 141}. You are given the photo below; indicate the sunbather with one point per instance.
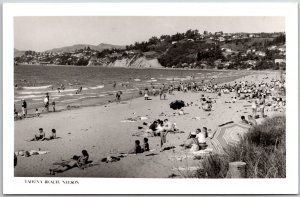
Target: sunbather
{"x": 74, "y": 162}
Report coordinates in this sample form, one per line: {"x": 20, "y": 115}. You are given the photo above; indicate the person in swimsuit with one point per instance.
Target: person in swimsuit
{"x": 40, "y": 136}
{"x": 74, "y": 162}
{"x": 84, "y": 158}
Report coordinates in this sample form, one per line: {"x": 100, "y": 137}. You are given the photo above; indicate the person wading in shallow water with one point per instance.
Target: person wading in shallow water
{"x": 24, "y": 108}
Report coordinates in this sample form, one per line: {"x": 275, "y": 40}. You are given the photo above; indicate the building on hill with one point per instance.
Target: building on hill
{"x": 279, "y": 61}
{"x": 260, "y": 53}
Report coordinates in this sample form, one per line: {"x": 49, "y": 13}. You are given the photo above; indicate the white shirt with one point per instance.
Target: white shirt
{"x": 201, "y": 137}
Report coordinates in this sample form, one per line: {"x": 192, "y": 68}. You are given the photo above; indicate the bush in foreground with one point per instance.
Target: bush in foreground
{"x": 263, "y": 149}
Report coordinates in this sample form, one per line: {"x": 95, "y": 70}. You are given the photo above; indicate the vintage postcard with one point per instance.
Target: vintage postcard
{"x": 152, "y": 98}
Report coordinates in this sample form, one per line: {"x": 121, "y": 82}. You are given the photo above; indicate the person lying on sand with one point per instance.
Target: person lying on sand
{"x": 74, "y": 162}
{"x": 136, "y": 149}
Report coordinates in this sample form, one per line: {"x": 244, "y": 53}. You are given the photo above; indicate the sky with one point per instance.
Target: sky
{"x": 45, "y": 33}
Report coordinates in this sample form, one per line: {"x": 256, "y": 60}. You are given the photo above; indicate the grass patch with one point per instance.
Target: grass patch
{"x": 263, "y": 149}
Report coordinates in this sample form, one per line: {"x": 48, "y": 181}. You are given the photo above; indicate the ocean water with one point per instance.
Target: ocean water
{"x": 32, "y": 82}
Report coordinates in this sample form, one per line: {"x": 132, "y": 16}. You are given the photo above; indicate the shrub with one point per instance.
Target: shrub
{"x": 263, "y": 149}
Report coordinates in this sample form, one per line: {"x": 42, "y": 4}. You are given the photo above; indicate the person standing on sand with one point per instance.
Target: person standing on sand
{"x": 114, "y": 84}
{"x": 24, "y": 107}
{"x": 118, "y": 96}
{"x": 165, "y": 94}
{"x": 254, "y": 108}
{"x": 146, "y": 96}
{"x": 160, "y": 93}
{"x": 53, "y": 106}
{"x": 46, "y": 102}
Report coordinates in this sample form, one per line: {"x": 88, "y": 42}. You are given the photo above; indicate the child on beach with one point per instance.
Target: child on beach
{"x": 146, "y": 97}
{"x": 37, "y": 113}
{"x": 136, "y": 149}
{"x": 84, "y": 158}
{"x": 146, "y": 145}
{"x": 165, "y": 94}
{"x": 53, "y": 134}
{"x": 53, "y": 106}
{"x": 244, "y": 120}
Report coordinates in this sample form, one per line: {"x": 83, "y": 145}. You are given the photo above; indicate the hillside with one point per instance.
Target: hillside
{"x": 182, "y": 50}
{"x": 100, "y": 47}
{"x": 18, "y": 53}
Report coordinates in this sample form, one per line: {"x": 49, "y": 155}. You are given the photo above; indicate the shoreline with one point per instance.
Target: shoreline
{"x": 162, "y": 68}
{"x": 93, "y": 102}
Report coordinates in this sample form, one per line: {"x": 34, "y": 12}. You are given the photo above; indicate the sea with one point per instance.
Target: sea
{"x": 32, "y": 82}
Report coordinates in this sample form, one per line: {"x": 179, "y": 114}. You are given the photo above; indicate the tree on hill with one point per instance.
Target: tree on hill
{"x": 192, "y": 34}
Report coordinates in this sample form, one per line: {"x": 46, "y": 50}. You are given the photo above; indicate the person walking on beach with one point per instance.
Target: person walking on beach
{"x": 53, "y": 106}
{"x": 160, "y": 93}
{"x": 46, "y": 102}
{"x": 118, "y": 96}
{"x": 24, "y": 107}
{"x": 254, "y": 108}
{"x": 146, "y": 96}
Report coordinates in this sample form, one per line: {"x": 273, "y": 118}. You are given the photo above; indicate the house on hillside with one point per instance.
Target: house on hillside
{"x": 280, "y": 61}
{"x": 250, "y": 62}
{"x": 260, "y": 53}
{"x": 222, "y": 39}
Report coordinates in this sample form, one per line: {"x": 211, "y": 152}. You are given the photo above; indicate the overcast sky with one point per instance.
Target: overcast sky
{"x": 43, "y": 33}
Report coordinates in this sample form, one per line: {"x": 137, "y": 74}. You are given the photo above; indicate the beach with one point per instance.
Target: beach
{"x": 102, "y": 131}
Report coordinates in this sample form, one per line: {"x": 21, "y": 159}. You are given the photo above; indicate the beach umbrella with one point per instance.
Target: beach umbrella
{"x": 178, "y": 104}
{"x": 229, "y": 134}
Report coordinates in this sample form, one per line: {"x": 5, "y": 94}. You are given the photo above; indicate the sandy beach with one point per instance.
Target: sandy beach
{"x": 100, "y": 130}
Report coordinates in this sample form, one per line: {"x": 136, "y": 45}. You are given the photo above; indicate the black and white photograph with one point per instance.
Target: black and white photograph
{"x": 164, "y": 97}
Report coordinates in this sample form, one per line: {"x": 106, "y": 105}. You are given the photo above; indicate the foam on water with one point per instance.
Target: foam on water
{"x": 69, "y": 100}
{"x": 97, "y": 87}
{"x": 39, "y": 99}
{"x": 28, "y": 96}
{"x": 30, "y": 92}
{"x": 37, "y": 87}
